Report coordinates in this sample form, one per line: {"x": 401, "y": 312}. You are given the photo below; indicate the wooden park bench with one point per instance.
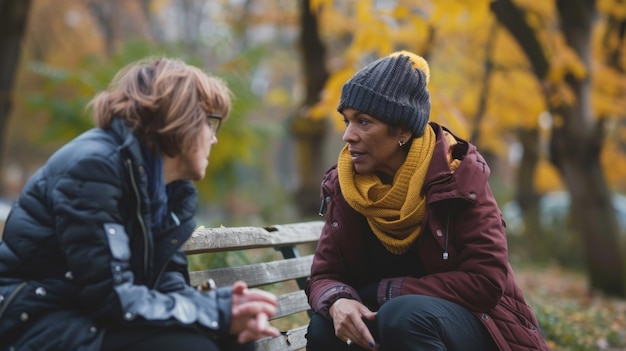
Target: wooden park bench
{"x": 286, "y": 273}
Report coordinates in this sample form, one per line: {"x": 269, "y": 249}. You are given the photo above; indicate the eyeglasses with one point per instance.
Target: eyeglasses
{"x": 215, "y": 121}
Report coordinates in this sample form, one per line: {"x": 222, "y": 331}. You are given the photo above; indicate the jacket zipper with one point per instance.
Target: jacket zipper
{"x": 11, "y": 297}
{"x": 140, "y": 218}
{"x": 323, "y": 205}
{"x": 445, "y": 249}
{"x": 445, "y": 255}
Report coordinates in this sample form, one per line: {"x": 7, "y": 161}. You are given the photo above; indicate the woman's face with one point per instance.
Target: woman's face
{"x": 372, "y": 147}
{"x": 191, "y": 164}
{"x": 198, "y": 159}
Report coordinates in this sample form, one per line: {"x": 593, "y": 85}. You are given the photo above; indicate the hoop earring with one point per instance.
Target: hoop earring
{"x": 401, "y": 143}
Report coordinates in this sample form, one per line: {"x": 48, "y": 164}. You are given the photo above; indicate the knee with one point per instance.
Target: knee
{"x": 399, "y": 313}
{"x": 320, "y": 334}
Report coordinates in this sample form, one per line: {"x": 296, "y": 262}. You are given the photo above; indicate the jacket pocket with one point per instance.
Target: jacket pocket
{"x": 8, "y": 293}
{"x": 9, "y": 290}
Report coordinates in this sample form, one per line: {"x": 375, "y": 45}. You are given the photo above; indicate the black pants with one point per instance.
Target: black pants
{"x": 411, "y": 323}
{"x": 167, "y": 339}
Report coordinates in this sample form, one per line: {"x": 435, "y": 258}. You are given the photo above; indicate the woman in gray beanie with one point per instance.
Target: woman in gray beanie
{"x": 413, "y": 255}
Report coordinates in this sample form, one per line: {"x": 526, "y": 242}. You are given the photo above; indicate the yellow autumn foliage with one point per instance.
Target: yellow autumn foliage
{"x": 454, "y": 34}
{"x": 547, "y": 177}
{"x": 617, "y": 9}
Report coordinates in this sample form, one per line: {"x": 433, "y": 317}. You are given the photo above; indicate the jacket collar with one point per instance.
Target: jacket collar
{"x": 471, "y": 175}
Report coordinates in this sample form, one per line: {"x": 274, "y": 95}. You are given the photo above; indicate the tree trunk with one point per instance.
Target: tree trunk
{"x": 613, "y": 42}
{"x": 484, "y": 86}
{"x": 527, "y": 197}
{"x": 308, "y": 133}
{"x": 592, "y": 212}
{"x": 103, "y": 14}
{"x": 513, "y": 20}
{"x": 577, "y": 141}
{"x": 156, "y": 30}
{"x": 13, "y": 19}
{"x": 575, "y": 150}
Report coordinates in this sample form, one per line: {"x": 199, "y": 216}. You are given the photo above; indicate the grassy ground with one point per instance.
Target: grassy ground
{"x": 572, "y": 317}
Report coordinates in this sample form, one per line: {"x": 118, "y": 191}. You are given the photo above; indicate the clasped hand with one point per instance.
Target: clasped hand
{"x": 251, "y": 310}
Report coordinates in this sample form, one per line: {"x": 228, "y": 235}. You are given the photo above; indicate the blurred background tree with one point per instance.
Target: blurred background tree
{"x": 73, "y": 48}
{"x": 557, "y": 41}
{"x": 538, "y": 86}
{"x": 512, "y": 68}
{"x": 13, "y": 18}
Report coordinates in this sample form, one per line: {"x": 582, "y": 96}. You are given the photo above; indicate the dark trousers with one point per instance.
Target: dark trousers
{"x": 167, "y": 339}
{"x": 410, "y": 323}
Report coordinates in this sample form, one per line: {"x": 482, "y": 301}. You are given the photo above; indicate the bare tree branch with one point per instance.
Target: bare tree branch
{"x": 512, "y": 17}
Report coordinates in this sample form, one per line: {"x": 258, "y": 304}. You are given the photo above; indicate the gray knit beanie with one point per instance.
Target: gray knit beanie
{"x": 391, "y": 89}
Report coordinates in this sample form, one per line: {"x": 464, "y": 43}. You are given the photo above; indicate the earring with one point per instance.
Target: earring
{"x": 401, "y": 143}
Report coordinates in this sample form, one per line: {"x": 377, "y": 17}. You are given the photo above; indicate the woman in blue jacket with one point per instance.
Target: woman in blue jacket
{"x": 91, "y": 254}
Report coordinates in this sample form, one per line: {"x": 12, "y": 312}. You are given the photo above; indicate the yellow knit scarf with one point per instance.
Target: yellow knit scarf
{"x": 393, "y": 211}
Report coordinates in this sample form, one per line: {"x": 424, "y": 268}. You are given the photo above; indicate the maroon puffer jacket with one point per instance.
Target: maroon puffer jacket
{"x": 462, "y": 249}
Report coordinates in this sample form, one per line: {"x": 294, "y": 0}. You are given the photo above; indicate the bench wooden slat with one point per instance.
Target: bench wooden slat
{"x": 257, "y": 274}
{"x": 293, "y": 340}
{"x": 291, "y": 303}
{"x": 206, "y": 240}
{"x": 290, "y": 271}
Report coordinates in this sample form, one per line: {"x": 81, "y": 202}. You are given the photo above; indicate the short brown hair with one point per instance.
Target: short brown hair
{"x": 165, "y": 101}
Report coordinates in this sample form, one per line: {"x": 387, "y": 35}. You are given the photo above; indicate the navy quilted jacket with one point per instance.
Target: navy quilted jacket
{"x": 79, "y": 252}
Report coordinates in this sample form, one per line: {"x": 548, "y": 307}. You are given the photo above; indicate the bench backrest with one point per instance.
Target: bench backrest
{"x": 286, "y": 238}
